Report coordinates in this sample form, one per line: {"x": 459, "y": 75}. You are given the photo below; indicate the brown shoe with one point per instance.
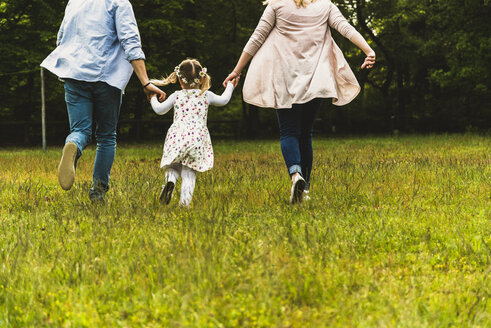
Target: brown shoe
{"x": 66, "y": 169}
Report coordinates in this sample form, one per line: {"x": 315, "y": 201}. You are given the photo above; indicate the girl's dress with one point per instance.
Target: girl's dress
{"x": 188, "y": 141}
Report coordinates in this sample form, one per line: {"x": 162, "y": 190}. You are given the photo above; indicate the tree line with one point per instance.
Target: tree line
{"x": 432, "y": 72}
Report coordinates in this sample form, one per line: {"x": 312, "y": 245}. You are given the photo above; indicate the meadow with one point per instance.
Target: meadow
{"x": 397, "y": 233}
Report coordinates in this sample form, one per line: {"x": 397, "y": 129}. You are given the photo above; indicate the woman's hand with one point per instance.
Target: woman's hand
{"x": 232, "y": 77}
{"x": 369, "y": 61}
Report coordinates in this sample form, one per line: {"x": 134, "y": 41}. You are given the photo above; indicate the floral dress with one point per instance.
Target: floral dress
{"x": 188, "y": 140}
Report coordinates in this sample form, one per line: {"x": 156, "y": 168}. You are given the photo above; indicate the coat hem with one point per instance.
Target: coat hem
{"x": 294, "y": 103}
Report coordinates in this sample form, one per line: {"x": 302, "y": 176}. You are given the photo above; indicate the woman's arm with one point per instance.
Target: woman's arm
{"x": 337, "y": 21}
{"x": 235, "y": 75}
{"x": 164, "y": 107}
{"x": 359, "y": 41}
{"x": 264, "y": 27}
{"x": 222, "y": 100}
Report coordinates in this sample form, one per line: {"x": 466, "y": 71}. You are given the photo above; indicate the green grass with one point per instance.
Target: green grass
{"x": 397, "y": 234}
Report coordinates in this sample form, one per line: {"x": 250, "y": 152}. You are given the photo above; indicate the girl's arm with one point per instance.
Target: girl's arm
{"x": 164, "y": 107}
{"x": 222, "y": 100}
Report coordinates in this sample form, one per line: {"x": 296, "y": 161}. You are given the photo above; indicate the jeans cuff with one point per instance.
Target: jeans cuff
{"x": 295, "y": 169}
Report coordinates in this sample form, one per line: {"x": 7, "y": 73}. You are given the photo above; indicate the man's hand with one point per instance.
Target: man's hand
{"x": 151, "y": 90}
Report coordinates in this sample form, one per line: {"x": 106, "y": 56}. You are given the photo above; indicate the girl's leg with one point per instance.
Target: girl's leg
{"x": 309, "y": 112}
{"x": 188, "y": 183}
{"x": 171, "y": 175}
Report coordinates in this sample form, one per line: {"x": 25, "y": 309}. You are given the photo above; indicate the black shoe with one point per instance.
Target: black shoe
{"x": 166, "y": 193}
{"x": 97, "y": 194}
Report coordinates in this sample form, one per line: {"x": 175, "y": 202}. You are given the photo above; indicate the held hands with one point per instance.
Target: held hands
{"x": 369, "y": 61}
{"x": 152, "y": 91}
{"x": 233, "y": 77}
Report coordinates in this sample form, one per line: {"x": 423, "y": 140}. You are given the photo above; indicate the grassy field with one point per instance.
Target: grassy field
{"x": 397, "y": 234}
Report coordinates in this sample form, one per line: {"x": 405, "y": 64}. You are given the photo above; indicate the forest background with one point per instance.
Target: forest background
{"x": 432, "y": 74}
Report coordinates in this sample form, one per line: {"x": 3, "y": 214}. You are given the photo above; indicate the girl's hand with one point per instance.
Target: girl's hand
{"x": 150, "y": 97}
{"x": 369, "y": 61}
{"x": 232, "y": 77}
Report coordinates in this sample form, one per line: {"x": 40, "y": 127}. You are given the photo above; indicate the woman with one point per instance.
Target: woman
{"x": 295, "y": 63}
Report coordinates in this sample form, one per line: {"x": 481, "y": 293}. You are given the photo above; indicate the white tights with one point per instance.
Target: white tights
{"x": 188, "y": 181}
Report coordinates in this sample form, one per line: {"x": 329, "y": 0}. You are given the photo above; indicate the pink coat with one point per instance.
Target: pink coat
{"x": 296, "y": 59}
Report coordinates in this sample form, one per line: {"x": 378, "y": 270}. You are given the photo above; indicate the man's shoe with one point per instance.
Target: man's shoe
{"x": 166, "y": 193}
{"x": 97, "y": 194}
{"x": 66, "y": 168}
{"x": 296, "y": 194}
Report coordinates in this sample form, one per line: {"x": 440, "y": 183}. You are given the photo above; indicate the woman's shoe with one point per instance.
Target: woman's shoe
{"x": 166, "y": 193}
{"x": 296, "y": 194}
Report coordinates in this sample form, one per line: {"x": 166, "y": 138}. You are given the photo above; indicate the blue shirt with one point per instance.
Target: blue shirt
{"x": 96, "y": 42}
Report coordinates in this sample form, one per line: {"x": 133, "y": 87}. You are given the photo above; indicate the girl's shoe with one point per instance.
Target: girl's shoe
{"x": 306, "y": 195}
{"x": 166, "y": 193}
{"x": 296, "y": 194}
{"x": 66, "y": 168}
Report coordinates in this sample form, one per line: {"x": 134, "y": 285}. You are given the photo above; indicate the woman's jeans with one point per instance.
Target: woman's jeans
{"x": 296, "y": 125}
{"x": 94, "y": 101}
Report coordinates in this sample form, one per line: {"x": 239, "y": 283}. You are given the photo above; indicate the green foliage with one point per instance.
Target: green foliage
{"x": 397, "y": 233}
{"x": 432, "y": 72}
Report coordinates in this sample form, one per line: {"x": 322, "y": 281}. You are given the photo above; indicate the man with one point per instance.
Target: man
{"x": 98, "y": 47}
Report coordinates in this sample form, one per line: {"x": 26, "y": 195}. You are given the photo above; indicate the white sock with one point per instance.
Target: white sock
{"x": 188, "y": 183}
{"x": 171, "y": 175}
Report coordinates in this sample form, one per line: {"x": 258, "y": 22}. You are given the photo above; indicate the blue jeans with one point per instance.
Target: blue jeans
{"x": 296, "y": 125}
{"x": 94, "y": 101}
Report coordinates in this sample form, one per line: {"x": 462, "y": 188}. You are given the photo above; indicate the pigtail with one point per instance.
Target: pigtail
{"x": 206, "y": 85}
{"x": 165, "y": 81}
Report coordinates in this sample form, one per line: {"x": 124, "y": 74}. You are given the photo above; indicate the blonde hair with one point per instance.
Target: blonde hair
{"x": 299, "y": 3}
{"x": 189, "y": 70}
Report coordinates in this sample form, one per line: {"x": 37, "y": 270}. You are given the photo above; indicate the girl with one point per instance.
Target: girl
{"x": 187, "y": 147}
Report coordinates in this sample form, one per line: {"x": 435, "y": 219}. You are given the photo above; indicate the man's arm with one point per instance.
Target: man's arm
{"x": 129, "y": 37}
{"x": 141, "y": 73}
